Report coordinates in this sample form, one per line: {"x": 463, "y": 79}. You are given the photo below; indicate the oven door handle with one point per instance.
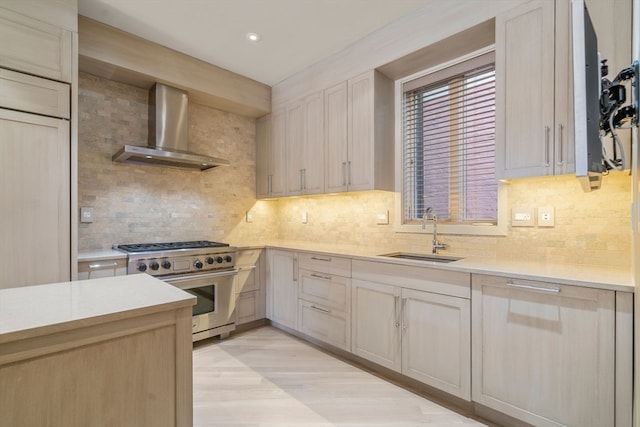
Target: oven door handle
{"x": 197, "y": 278}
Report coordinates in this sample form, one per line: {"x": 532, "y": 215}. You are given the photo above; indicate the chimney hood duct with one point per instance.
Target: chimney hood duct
{"x": 168, "y": 135}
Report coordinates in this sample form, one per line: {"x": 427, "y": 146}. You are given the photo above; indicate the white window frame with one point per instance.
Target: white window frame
{"x": 479, "y": 229}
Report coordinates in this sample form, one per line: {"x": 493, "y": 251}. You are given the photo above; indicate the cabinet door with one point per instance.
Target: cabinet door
{"x": 35, "y": 47}
{"x": 295, "y": 147}
{"x": 324, "y": 323}
{"x": 282, "y": 293}
{"x": 335, "y": 132}
{"x": 375, "y": 317}
{"x": 35, "y": 247}
{"x": 361, "y": 116}
{"x": 525, "y": 90}
{"x": 264, "y": 157}
{"x": 247, "y": 307}
{"x": 436, "y": 341}
{"x": 544, "y": 353}
{"x": 277, "y": 184}
{"x": 313, "y": 165}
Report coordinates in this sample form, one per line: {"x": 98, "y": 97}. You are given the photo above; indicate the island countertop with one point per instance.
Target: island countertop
{"x": 31, "y": 311}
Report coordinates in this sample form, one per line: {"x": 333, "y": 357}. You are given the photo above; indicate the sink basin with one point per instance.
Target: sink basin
{"x": 421, "y": 257}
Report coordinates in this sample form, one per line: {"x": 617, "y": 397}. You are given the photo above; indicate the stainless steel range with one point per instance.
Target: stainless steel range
{"x": 203, "y": 268}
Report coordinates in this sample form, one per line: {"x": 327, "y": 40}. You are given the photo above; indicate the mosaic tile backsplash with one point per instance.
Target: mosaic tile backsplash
{"x": 150, "y": 204}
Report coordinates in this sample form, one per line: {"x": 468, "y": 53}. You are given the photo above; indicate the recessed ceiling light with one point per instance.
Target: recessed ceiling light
{"x": 254, "y": 37}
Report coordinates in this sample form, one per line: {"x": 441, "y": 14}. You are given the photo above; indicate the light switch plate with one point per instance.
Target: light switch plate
{"x": 522, "y": 217}
{"x": 382, "y": 218}
{"x": 304, "y": 217}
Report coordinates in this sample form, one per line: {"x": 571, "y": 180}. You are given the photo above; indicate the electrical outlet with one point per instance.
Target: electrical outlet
{"x": 546, "y": 216}
{"x": 86, "y": 215}
{"x": 382, "y": 218}
{"x": 522, "y": 217}
{"x": 249, "y": 216}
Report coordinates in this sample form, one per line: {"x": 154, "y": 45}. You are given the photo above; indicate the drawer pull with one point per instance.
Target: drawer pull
{"x": 554, "y": 289}
{"x": 109, "y": 266}
{"x": 317, "y": 258}
{"x": 320, "y": 276}
{"x": 246, "y": 268}
{"x": 321, "y": 309}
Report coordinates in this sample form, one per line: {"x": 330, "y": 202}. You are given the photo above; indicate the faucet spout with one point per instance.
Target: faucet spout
{"x": 434, "y": 243}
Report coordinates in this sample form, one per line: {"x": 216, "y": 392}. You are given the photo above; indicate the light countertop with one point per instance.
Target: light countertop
{"x": 101, "y": 255}
{"x": 595, "y": 276}
{"x": 31, "y": 311}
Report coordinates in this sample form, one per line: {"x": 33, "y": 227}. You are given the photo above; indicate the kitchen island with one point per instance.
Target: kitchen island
{"x": 111, "y": 351}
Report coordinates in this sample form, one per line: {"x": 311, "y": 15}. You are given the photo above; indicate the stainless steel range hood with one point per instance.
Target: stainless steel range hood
{"x": 168, "y": 134}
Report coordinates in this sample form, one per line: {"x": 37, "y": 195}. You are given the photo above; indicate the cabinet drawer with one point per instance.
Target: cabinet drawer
{"x": 325, "y": 263}
{"x": 31, "y": 94}
{"x": 325, "y": 324}
{"x": 321, "y": 288}
{"x": 102, "y": 268}
{"x": 246, "y": 280}
{"x": 35, "y": 47}
{"x": 454, "y": 283}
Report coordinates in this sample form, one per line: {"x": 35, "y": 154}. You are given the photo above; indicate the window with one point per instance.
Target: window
{"x": 448, "y": 144}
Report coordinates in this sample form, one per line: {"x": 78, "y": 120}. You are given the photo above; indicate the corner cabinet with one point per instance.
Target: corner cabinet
{"x": 270, "y": 155}
{"x": 534, "y": 129}
{"x": 359, "y": 146}
{"x": 282, "y": 287}
{"x": 544, "y": 353}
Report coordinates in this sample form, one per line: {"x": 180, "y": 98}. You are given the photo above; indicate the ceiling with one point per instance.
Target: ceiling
{"x": 295, "y": 33}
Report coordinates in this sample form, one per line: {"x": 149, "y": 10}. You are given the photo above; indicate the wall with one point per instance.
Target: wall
{"x": 590, "y": 227}
{"x": 150, "y": 204}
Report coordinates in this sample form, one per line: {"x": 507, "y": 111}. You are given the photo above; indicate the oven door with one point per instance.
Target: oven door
{"x": 214, "y": 312}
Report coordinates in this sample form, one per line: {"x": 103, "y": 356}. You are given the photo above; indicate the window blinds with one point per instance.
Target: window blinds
{"x": 449, "y": 143}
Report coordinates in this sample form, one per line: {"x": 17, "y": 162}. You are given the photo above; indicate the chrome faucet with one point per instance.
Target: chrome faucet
{"x": 425, "y": 217}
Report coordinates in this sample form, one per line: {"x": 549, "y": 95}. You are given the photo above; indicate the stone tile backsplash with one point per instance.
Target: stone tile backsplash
{"x": 149, "y": 204}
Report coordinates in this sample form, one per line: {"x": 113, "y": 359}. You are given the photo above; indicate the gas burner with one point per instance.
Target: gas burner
{"x": 153, "y": 247}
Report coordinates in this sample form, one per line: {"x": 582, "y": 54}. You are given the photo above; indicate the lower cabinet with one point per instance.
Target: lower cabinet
{"x": 544, "y": 353}
{"x": 250, "y": 293}
{"x": 423, "y": 335}
{"x": 282, "y": 291}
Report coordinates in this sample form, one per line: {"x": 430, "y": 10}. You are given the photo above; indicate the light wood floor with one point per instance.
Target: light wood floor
{"x": 267, "y": 378}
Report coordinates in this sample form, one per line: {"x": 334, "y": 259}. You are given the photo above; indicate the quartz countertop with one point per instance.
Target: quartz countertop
{"x": 595, "y": 276}
{"x": 101, "y": 255}
{"x": 31, "y": 311}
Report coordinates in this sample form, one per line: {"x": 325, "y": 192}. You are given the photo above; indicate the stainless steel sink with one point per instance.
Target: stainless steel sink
{"x": 422, "y": 257}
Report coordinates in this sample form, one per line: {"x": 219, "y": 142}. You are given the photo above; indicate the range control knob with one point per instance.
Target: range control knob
{"x": 142, "y": 267}
{"x": 228, "y": 258}
{"x": 154, "y": 265}
{"x": 166, "y": 264}
{"x": 198, "y": 264}
{"x": 219, "y": 259}
{"x": 209, "y": 260}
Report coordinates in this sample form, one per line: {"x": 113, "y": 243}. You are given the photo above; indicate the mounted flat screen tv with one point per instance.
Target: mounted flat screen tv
{"x": 586, "y": 98}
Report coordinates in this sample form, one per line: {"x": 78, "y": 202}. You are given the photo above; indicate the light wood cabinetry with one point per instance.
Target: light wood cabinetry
{"x": 544, "y": 353}
{"x": 534, "y": 129}
{"x": 250, "y": 293}
{"x": 270, "y": 155}
{"x": 399, "y": 324}
{"x": 35, "y": 47}
{"x": 364, "y": 159}
{"x": 108, "y": 267}
{"x": 304, "y": 141}
{"x": 282, "y": 289}
{"x": 324, "y": 298}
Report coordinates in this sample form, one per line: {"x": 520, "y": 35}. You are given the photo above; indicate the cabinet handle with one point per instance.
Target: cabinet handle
{"x": 349, "y": 172}
{"x": 404, "y": 314}
{"x": 269, "y": 183}
{"x": 553, "y": 289}
{"x": 396, "y": 301}
{"x": 547, "y": 130}
{"x": 344, "y": 173}
{"x": 295, "y": 269}
{"x": 560, "y": 161}
{"x": 300, "y": 173}
{"x": 317, "y": 258}
{"x": 246, "y": 268}
{"x": 304, "y": 179}
{"x": 320, "y": 276}
{"x": 109, "y": 266}
{"x": 321, "y": 309}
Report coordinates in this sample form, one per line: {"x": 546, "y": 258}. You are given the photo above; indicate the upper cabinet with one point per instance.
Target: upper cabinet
{"x": 336, "y": 140}
{"x": 361, "y": 159}
{"x": 534, "y": 130}
{"x": 35, "y": 47}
